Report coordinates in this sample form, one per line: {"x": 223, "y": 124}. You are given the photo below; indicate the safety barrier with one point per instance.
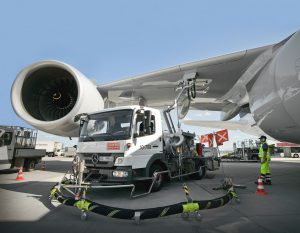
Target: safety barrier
{"x": 86, "y": 205}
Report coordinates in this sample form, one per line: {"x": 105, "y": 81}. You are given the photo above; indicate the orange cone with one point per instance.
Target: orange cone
{"x": 44, "y": 166}
{"x": 20, "y": 174}
{"x": 260, "y": 187}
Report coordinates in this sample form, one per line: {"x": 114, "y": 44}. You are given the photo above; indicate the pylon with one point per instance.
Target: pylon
{"x": 20, "y": 174}
{"x": 44, "y": 166}
{"x": 260, "y": 187}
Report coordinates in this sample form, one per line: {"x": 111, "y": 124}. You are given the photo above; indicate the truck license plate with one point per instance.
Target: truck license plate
{"x": 106, "y": 158}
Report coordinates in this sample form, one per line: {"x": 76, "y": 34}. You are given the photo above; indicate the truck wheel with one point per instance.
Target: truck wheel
{"x": 201, "y": 172}
{"x": 29, "y": 165}
{"x": 159, "y": 178}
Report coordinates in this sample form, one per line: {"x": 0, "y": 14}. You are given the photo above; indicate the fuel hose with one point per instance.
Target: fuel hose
{"x": 122, "y": 213}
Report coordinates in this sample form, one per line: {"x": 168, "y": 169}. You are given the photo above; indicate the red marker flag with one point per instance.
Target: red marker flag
{"x": 207, "y": 138}
{"x": 204, "y": 138}
{"x": 222, "y": 136}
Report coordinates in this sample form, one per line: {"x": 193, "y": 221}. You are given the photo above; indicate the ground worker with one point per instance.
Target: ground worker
{"x": 265, "y": 158}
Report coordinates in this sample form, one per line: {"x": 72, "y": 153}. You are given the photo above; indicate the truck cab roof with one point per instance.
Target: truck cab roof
{"x": 122, "y": 108}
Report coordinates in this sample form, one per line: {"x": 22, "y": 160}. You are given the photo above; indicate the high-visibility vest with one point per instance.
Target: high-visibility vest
{"x": 261, "y": 152}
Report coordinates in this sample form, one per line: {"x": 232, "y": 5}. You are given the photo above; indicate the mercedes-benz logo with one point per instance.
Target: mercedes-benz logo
{"x": 95, "y": 158}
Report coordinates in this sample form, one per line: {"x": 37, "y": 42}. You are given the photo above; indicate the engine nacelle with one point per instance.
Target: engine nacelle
{"x": 49, "y": 94}
{"x": 275, "y": 96}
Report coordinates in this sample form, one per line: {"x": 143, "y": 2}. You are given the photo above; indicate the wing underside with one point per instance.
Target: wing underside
{"x": 231, "y": 125}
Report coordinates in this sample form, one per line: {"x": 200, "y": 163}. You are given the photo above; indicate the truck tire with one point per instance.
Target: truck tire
{"x": 158, "y": 183}
{"x": 201, "y": 172}
{"x": 29, "y": 165}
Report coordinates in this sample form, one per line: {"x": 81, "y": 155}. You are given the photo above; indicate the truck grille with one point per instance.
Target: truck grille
{"x": 100, "y": 160}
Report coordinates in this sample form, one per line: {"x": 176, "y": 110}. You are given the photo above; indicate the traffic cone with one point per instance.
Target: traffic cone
{"x": 260, "y": 187}
{"x": 20, "y": 174}
{"x": 44, "y": 166}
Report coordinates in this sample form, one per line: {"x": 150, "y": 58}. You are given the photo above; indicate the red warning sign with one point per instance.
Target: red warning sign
{"x": 113, "y": 146}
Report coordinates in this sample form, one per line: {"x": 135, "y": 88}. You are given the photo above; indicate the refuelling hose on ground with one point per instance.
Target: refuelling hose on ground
{"x": 114, "y": 212}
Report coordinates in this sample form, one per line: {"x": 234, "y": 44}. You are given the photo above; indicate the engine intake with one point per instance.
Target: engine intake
{"x": 49, "y": 93}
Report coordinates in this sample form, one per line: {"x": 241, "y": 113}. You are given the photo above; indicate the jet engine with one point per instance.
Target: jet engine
{"x": 275, "y": 96}
{"x": 49, "y": 94}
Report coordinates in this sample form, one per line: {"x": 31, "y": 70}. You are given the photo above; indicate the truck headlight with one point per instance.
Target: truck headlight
{"x": 119, "y": 160}
{"x": 120, "y": 173}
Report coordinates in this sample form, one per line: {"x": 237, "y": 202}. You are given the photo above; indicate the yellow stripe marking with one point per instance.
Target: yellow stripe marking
{"x": 208, "y": 205}
{"x": 112, "y": 213}
{"x": 164, "y": 211}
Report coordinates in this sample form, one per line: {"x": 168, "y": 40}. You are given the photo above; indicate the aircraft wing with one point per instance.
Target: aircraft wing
{"x": 220, "y": 82}
{"x": 230, "y": 125}
{"x": 244, "y": 125}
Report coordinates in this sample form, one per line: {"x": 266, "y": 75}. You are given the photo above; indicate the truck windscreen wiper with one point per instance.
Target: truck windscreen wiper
{"x": 88, "y": 138}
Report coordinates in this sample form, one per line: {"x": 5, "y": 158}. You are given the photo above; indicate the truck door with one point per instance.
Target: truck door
{"x": 147, "y": 139}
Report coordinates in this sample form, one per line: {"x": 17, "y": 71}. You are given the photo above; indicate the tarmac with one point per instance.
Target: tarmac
{"x": 25, "y": 206}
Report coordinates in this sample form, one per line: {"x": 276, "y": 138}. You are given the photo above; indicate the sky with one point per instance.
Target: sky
{"x": 112, "y": 40}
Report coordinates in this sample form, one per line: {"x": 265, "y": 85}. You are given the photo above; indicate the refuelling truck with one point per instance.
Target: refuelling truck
{"x": 127, "y": 144}
{"x": 123, "y": 145}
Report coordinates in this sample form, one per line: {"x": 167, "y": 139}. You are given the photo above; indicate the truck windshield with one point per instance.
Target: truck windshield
{"x": 106, "y": 126}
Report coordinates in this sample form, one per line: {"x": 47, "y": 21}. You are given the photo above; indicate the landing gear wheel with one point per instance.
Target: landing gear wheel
{"x": 158, "y": 178}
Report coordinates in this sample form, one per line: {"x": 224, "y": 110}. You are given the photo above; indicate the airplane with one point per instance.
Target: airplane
{"x": 262, "y": 82}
